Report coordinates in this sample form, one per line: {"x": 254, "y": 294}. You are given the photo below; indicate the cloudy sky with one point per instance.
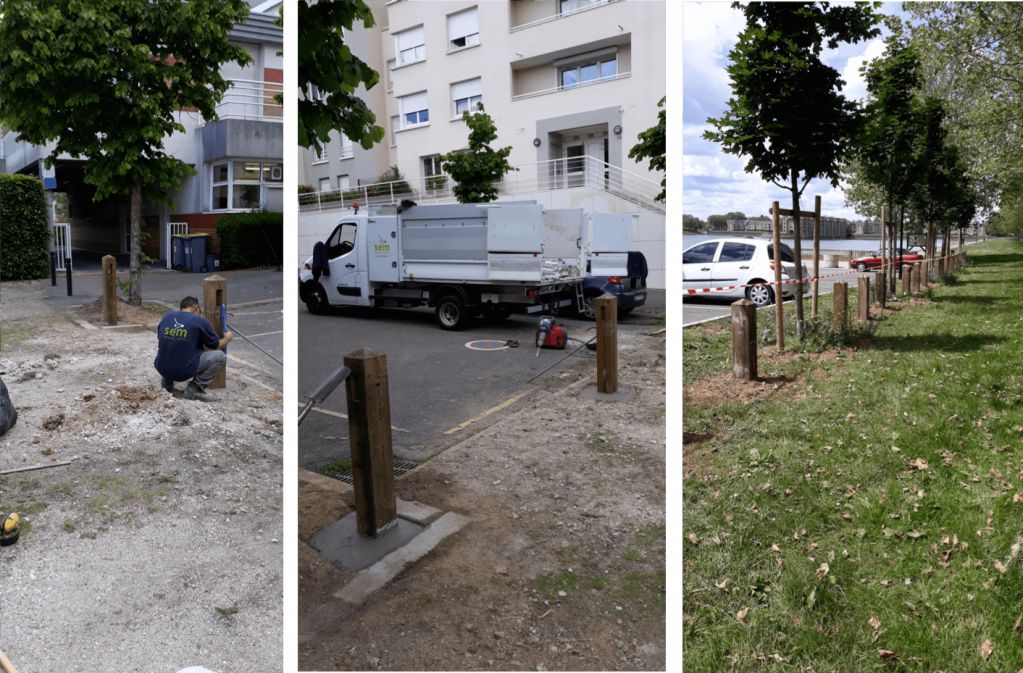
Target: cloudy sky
{"x": 715, "y": 182}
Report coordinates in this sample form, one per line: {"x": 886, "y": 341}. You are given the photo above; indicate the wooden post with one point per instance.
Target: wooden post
{"x": 779, "y": 311}
{"x": 840, "y": 310}
{"x": 369, "y": 437}
{"x": 110, "y": 290}
{"x": 882, "y": 288}
{"x": 925, "y": 271}
{"x": 607, "y": 344}
{"x": 744, "y": 340}
{"x": 941, "y": 269}
{"x": 816, "y": 257}
{"x": 907, "y": 272}
{"x": 863, "y": 299}
{"x": 214, "y": 293}
{"x": 917, "y": 272}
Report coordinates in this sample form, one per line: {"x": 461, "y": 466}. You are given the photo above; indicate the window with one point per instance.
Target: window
{"x": 410, "y": 45}
{"x": 463, "y": 29}
{"x": 588, "y": 71}
{"x": 701, "y": 253}
{"x": 343, "y": 182}
{"x": 433, "y": 173}
{"x": 324, "y": 184}
{"x": 321, "y": 155}
{"x": 786, "y": 253}
{"x": 244, "y": 185}
{"x": 736, "y": 252}
{"x": 569, "y": 6}
{"x": 466, "y": 96}
{"x": 347, "y": 147}
{"x": 414, "y": 110}
{"x": 342, "y": 240}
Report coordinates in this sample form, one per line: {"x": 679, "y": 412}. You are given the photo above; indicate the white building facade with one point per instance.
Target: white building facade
{"x": 569, "y": 84}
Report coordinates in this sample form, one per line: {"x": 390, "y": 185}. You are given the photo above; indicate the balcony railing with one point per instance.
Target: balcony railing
{"x": 580, "y": 85}
{"x": 251, "y": 99}
{"x": 534, "y": 177}
{"x": 561, "y": 15}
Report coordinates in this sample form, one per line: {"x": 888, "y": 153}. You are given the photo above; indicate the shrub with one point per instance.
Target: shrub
{"x": 24, "y": 230}
{"x": 250, "y": 239}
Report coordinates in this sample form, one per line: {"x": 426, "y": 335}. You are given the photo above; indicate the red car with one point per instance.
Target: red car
{"x": 874, "y": 261}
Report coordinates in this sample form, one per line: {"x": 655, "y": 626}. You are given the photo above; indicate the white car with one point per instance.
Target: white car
{"x": 739, "y": 262}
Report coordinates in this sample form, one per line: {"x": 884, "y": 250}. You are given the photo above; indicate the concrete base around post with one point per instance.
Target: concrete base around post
{"x": 620, "y": 395}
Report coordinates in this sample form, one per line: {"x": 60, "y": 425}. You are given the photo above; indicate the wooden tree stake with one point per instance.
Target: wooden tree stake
{"x": 907, "y": 272}
{"x": 863, "y": 299}
{"x": 779, "y": 311}
{"x": 214, "y": 293}
{"x": 110, "y": 290}
{"x": 881, "y": 289}
{"x": 840, "y": 311}
{"x": 744, "y": 340}
{"x": 607, "y": 344}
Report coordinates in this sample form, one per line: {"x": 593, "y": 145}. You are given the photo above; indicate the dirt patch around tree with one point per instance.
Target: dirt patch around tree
{"x": 561, "y": 566}
{"x": 158, "y": 546}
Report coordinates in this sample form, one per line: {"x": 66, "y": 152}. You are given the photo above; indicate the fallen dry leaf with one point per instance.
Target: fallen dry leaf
{"x": 915, "y": 534}
{"x": 888, "y": 655}
{"x": 823, "y": 571}
{"x": 1000, "y": 567}
{"x": 875, "y": 623}
{"x": 986, "y": 649}
{"x": 741, "y": 615}
{"x": 1017, "y": 497}
{"x": 919, "y": 464}
{"x": 723, "y": 584}
{"x": 775, "y": 548}
{"x": 501, "y": 569}
{"x": 693, "y": 538}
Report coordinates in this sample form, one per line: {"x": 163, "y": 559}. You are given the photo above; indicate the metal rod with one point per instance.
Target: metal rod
{"x": 35, "y": 467}
{"x": 254, "y": 344}
{"x": 565, "y": 357}
{"x": 67, "y": 271}
{"x": 324, "y": 391}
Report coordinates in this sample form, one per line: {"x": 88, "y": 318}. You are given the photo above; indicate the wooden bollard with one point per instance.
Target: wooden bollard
{"x": 607, "y": 344}
{"x": 907, "y": 273}
{"x": 916, "y": 273}
{"x": 369, "y": 437}
{"x": 744, "y": 340}
{"x": 881, "y": 288}
{"x": 214, "y": 294}
{"x": 110, "y": 290}
{"x": 840, "y": 307}
{"x": 941, "y": 269}
{"x": 863, "y": 299}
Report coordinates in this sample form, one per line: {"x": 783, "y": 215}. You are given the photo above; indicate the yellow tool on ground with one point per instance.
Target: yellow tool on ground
{"x": 10, "y": 529}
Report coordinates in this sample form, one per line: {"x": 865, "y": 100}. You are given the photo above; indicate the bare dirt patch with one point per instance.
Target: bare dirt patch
{"x": 148, "y": 315}
{"x": 561, "y": 567}
{"x": 166, "y": 523}
{"x": 725, "y": 388}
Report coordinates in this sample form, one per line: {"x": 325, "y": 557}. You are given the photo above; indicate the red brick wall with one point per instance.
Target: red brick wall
{"x": 202, "y": 223}
{"x": 270, "y": 106}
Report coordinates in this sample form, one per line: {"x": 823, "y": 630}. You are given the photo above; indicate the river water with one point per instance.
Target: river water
{"x": 827, "y": 244}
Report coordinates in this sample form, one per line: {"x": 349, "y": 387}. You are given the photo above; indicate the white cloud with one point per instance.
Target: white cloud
{"x": 855, "y": 86}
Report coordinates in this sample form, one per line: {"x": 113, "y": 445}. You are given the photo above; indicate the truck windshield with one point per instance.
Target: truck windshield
{"x": 342, "y": 240}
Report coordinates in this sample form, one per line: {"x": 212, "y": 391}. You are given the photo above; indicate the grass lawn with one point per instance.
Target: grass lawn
{"x": 859, "y": 513}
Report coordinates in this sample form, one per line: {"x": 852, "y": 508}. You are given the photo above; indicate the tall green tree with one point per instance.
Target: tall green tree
{"x": 893, "y": 124}
{"x": 329, "y": 74}
{"x": 653, "y": 145}
{"x": 786, "y": 112}
{"x": 105, "y": 80}
{"x": 478, "y": 168}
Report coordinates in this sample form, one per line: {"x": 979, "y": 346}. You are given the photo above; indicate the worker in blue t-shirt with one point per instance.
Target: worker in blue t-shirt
{"x": 183, "y": 335}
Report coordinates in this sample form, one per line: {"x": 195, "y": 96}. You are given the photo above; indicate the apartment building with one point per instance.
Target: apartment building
{"x": 238, "y": 157}
{"x": 569, "y": 84}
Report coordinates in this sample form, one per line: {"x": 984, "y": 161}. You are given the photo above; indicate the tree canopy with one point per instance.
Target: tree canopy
{"x": 329, "y": 75}
{"x": 653, "y": 145}
{"x": 477, "y": 169}
{"x": 105, "y": 80}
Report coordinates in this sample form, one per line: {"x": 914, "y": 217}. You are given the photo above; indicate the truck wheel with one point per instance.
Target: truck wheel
{"x": 589, "y": 310}
{"x": 451, "y": 313}
{"x": 316, "y": 299}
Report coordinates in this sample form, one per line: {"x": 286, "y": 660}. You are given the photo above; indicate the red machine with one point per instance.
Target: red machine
{"x": 550, "y": 334}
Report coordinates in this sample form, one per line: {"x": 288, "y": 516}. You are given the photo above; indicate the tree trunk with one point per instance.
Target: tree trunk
{"x": 798, "y": 250}
{"x": 135, "y": 274}
{"x": 902, "y": 235}
{"x": 886, "y": 214}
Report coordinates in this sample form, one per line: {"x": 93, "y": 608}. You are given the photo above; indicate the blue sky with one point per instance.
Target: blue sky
{"x": 715, "y": 182}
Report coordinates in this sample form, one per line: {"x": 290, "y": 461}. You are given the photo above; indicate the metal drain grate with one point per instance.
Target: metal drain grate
{"x": 400, "y": 468}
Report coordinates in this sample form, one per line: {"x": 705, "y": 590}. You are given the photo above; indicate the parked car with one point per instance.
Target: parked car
{"x": 873, "y": 261}
{"x": 630, "y": 289}
{"x": 739, "y": 262}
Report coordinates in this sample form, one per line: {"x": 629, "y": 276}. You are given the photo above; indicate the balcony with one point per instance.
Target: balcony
{"x": 528, "y": 15}
{"x": 252, "y": 99}
{"x": 250, "y": 123}
{"x": 580, "y": 85}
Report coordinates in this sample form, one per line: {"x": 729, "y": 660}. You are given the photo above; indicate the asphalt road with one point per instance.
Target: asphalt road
{"x": 440, "y": 390}
{"x": 700, "y": 308}
{"x": 263, "y": 325}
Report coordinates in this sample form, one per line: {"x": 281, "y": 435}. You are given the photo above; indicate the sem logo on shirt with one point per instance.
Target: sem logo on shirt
{"x": 176, "y": 332}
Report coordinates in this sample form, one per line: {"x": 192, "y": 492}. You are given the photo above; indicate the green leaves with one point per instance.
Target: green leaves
{"x": 653, "y": 145}
{"x": 477, "y": 169}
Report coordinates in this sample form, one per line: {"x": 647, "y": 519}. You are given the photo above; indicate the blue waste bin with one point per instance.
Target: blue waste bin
{"x": 212, "y": 263}
{"x": 195, "y": 252}
{"x": 178, "y": 252}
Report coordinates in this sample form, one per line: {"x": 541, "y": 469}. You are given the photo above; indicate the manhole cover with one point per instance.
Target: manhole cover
{"x": 487, "y": 345}
{"x": 400, "y": 468}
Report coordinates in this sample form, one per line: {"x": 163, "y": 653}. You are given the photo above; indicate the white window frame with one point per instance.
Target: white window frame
{"x": 320, "y": 185}
{"x": 470, "y": 100}
{"x": 414, "y": 50}
{"x": 321, "y": 155}
{"x": 576, "y": 64}
{"x": 579, "y": 5}
{"x": 344, "y": 178}
{"x": 469, "y": 35}
{"x": 347, "y": 147}
{"x": 265, "y": 182}
{"x": 420, "y": 112}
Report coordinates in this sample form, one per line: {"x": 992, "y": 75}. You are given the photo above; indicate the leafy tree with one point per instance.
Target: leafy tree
{"x": 886, "y": 147}
{"x": 786, "y": 112}
{"x": 652, "y": 145}
{"x": 329, "y": 74}
{"x": 105, "y": 80}
{"x": 478, "y": 169}
{"x": 691, "y": 222}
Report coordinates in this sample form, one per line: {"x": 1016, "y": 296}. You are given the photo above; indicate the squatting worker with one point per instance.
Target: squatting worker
{"x": 183, "y": 335}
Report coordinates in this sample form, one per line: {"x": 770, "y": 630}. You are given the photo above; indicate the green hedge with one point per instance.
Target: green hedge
{"x": 24, "y": 230}
{"x": 250, "y": 239}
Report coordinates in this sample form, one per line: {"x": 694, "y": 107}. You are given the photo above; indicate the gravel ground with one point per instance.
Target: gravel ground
{"x": 158, "y": 547}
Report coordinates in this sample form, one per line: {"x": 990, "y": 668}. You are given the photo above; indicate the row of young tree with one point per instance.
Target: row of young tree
{"x": 919, "y": 150}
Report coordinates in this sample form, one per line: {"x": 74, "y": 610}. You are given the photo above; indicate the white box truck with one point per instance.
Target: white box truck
{"x": 463, "y": 260}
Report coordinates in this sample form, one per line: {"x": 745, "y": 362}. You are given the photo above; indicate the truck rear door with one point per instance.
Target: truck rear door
{"x": 609, "y": 244}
